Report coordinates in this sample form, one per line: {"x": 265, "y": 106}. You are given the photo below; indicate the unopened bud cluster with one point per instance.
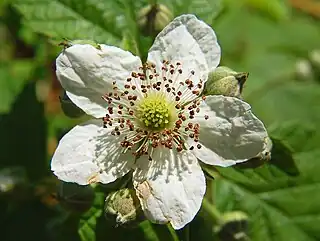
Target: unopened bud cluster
{"x": 122, "y": 208}
{"x": 308, "y": 69}
{"x": 153, "y": 18}
{"x": 234, "y": 226}
{"x": 225, "y": 81}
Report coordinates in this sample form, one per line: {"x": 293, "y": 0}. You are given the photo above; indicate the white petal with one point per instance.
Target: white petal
{"x": 90, "y": 102}
{"x": 170, "y": 187}
{"x": 232, "y": 134}
{"x": 89, "y": 153}
{"x": 189, "y": 41}
{"x": 87, "y": 73}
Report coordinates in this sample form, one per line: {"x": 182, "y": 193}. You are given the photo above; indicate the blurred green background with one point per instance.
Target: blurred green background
{"x": 277, "y": 42}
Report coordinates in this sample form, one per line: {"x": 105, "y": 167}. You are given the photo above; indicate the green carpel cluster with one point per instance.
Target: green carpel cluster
{"x": 154, "y": 112}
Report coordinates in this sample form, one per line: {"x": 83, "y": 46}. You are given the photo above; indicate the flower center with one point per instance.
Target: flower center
{"x": 154, "y": 108}
{"x": 155, "y": 112}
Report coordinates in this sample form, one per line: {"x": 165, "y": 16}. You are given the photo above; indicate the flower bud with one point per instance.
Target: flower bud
{"x": 68, "y": 43}
{"x": 315, "y": 62}
{"x": 14, "y": 185}
{"x": 11, "y": 178}
{"x": 234, "y": 226}
{"x": 122, "y": 208}
{"x": 225, "y": 81}
{"x": 304, "y": 70}
{"x": 315, "y": 58}
{"x": 74, "y": 197}
{"x": 68, "y": 107}
{"x": 153, "y": 18}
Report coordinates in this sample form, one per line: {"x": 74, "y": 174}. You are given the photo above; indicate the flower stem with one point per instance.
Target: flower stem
{"x": 186, "y": 232}
{"x": 212, "y": 210}
{"x": 152, "y": 2}
{"x": 173, "y": 233}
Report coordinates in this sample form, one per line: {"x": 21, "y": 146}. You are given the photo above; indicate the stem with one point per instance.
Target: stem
{"x": 173, "y": 233}
{"x": 186, "y": 231}
{"x": 152, "y": 2}
{"x": 213, "y": 212}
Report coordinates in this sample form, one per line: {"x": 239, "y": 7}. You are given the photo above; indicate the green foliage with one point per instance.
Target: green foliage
{"x": 14, "y": 75}
{"x": 88, "y": 220}
{"x": 72, "y": 19}
{"x": 263, "y": 37}
{"x": 279, "y": 206}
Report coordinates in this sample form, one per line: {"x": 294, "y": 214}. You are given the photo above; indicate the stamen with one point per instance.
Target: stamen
{"x": 152, "y": 108}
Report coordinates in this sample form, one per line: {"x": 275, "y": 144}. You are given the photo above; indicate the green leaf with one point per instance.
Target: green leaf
{"x": 279, "y": 206}
{"x": 72, "y": 19}
{"x": 88, "y": 221}
{"x": 206, "y": 10}
{"x": 276, "y": 9}
{"x": 282, "y": 157}
{"x": 13, "y": 77}
{"x": 299, "y": 136}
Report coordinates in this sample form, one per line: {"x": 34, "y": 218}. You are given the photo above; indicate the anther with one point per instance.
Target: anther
{"x": 179, "y": 148}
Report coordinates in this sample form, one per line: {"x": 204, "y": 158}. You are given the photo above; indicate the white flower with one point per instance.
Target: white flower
{"x": 153, "y": 120}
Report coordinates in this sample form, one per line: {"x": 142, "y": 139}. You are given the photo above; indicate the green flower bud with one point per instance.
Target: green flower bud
{"x": 225, "y": 81}
{"x": 74, "y": 197}
{"x": 122, "y": 208}
{"x": 315, "y": 62}
{"x": 315, "y": 58}
{"x": 153, "y": 18}
{"x": 68, "y": 43}
{"x": 12, "y": 179}
{"x": 69, "y": 108}
{"x": 234, "y": 226}
{"x": 303, "y": 70}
